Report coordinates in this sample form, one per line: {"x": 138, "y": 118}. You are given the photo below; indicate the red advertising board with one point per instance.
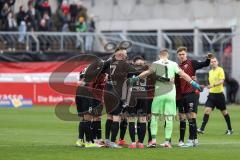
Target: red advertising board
{"x": 40, "y": 93}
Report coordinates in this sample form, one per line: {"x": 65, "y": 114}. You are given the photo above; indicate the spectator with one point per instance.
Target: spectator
{"x": 44, "y": 42}
{"x": 4, "y": 12}
{"x": 45, "y": 7}
{"x": 64, "y": 16}
{"x": 231, "y": 89}
{"x": 73, "y": 11}
{"x": 11, "y": 25}
{"x": 90, "y": 38}
{"x": 65, "y": 7}
{"x": 43, "y": 25}
{"x": 21, "y": 22}
{"x": 81, "y": 27}
{"x": 82, "y": 11}
{"x": 33, "y": 17}
{"x": 49, "y": 23}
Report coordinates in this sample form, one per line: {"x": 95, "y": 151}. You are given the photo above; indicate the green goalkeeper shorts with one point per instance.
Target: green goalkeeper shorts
{"x": 164, "y": 105}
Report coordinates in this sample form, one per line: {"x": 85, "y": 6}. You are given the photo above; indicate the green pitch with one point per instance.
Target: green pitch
{"x": 37, "y": 133}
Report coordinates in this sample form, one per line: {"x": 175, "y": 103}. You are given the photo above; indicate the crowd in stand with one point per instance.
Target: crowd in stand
{"x": 38, "y": 16}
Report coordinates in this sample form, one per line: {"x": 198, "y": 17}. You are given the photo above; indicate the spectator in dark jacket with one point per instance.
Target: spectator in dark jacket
{"x": 73, "y": 12}
{"x": 11, "y": 25}
{"x": 21, "y": 22}
{"x": 33, "y": 17}
{"x": 232, "y": 87}
{"x": 45, "y": 7}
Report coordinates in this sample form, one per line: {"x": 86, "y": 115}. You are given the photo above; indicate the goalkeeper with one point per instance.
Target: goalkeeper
{"x": 164, "y": 103}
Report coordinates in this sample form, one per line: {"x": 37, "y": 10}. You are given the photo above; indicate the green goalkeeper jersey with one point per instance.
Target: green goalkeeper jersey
{"x": 168, "y": 69}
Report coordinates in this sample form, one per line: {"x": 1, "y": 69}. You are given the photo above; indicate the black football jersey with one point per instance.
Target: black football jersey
{"x": 118, "y": 74}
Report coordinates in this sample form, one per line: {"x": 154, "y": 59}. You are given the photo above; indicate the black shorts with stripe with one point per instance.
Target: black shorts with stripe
{"x": 179, "y": 106}
{"x": 141, "y": 108}
{"x": 86, "y": 103}
{"x": 188, "y": 103}
{"x": 216, "y": 100}
{"x": 112, "y": 100}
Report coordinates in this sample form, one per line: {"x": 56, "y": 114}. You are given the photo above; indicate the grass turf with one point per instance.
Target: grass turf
{"x": 37, "y": 133}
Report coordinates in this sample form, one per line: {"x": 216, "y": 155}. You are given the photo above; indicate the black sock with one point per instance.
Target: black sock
{"x": 98, "y": 130}
{"x": 94, "y": 130}
{"x": 81, "y": 129}
{"x": 191, "y": 129}
{"x": 114, "y": 130}
{"x": 108, "y": 127}
{"x": 123, "y": 128}
{"x": 131, "y": 128}
{"x": 204, "y": 122}
{"x": 182, "y": 130}
{"x": 88, "y": 131}
{"x": 96, "y": 125}
{"x": 149, "y": 131}
{"x": 141, "y": 131}
{"x": 194, "y": 128}
{"x": 228, "y": 121}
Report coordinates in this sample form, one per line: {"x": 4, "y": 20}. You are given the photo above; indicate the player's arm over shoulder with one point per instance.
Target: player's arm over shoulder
{"x": 200, "y": 64}
{"x": 146, "y": 73}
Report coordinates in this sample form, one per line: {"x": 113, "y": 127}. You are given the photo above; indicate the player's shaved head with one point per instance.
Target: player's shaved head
{"x": 120, "y": 54}
{"x": 164, "y": 53}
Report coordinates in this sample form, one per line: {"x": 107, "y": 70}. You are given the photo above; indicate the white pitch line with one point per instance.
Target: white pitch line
{"x": 35, "y": 145}
{"x": 222, "y": 143}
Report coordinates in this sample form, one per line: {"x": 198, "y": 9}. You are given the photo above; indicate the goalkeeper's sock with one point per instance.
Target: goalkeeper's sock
{"x": 114, "y": 130}
{"x": 149, "y": 131}
{"x": 108, "y": 127}
{"x": 228, "y": 121}
{"x": 81, "y": 129}
{"x": 123, "y": 128}
{"x": 132, "y": 131}
{"x": 141, "y": 131}
{"x": 168, "y": 127}
{"x": 204, "y": 122}
{"x": 182, "y": 130}
{"x": 154, "y": 126}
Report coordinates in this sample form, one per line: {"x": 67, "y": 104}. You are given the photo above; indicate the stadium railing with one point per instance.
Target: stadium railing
{"x": 144, "y": 43}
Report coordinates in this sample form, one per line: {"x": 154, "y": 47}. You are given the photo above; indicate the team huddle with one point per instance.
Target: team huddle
{"x": 136, "y": 95}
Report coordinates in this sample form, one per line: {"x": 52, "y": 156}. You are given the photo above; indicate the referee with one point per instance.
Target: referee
{"x": 216, "y": 97}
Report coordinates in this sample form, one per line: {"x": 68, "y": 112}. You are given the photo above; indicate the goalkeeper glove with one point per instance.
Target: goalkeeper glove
{"x": 133, "y": 80}
{"x": 196, "y": 85}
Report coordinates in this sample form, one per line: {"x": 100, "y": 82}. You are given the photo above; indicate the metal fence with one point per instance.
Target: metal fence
{"x": 147, "y": 44}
